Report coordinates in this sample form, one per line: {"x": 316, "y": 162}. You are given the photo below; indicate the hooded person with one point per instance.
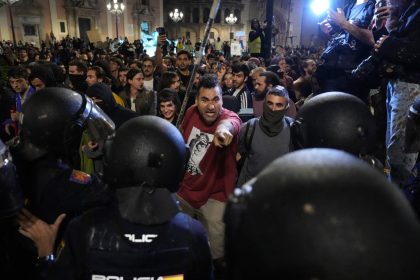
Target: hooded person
{"x": 321, "y": 214}
{"x": 42, "y": 76}
{"x": 143, "y": 235}
{"x": 91, "y": 144}
{"x": 101, "y": 94}
{"x": 263, "y": 139}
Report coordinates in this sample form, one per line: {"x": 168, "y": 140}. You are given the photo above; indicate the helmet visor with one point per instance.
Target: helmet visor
{"x": 99, "y": 125}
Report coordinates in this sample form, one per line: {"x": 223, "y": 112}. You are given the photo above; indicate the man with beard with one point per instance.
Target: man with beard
{"x": 271, "y": 130}
{"x": 306, "y": 84}
{"x": 266, "y": 81}
{"x": 183, "y": 62}
{"x": 151, "y": 83}
{"x": 211, "y": 133}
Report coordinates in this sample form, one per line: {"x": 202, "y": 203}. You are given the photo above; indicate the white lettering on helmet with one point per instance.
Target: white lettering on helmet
{"x": 145, "y": 238}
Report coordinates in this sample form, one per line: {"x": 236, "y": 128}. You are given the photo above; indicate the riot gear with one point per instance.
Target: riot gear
{"x": 144, "y": 236}
{"x": 321, "y": 214}
{"x": 54, "y": 119}
{"x": 335, "y": 120}
{"x": 11, "y": 198}
{"x": 135, "y": 160}
{"x": 142, "y": 150}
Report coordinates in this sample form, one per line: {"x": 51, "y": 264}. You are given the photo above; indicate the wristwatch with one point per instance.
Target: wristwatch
{"x": 40, "y": 261}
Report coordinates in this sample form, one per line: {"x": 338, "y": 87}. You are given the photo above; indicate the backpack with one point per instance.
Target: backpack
{"x": 249, "y": 135}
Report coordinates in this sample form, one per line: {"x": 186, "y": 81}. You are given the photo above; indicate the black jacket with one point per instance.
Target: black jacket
{"x": 104, "y": 244}
{"x": 402, "y": 47}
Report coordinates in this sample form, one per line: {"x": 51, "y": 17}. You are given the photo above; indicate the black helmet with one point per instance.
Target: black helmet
{"x": 54, "y": 119}
{"x": 321, "y": 214}
{"x": 335, "y": 120}
{"x": 144, "y": 162}
{"x": 11, "y": 198}
{"x": 145, "y": 150}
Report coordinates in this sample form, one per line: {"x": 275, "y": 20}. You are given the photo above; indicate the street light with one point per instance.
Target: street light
{"x": 176, "y": 17}
{"x": 231, "y": 20}
{"x": 117, "y": 9}
{"x": 9, "y": 3}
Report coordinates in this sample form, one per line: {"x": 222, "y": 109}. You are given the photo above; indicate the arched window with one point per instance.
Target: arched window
{"x": 206, "y": 14}
{"x": 187, "y": 15}
{"x": 196, "y": 15}
{"x": 237, "y": 14}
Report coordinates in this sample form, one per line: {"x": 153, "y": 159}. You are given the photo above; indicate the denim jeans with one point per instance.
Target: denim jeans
{"x": 400, "y": 96}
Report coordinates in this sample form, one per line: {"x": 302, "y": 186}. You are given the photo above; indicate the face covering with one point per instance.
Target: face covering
{"x": 78, "y": 82}
{"x": 271, "y": 122}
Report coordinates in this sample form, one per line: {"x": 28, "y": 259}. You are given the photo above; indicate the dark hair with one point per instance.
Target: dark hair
{"x": 116, "y": 60}
{"x": 132, "y": 72}
{"x": 241, "y": 67}
{"x": 45, "y": 74}
{"x": 105, "y": 66}
{"x": 81, "y": 65}
{"x": 166, "y": 79}
{"x": 149, "y": 59}
{"x": 271, "y": 78}
{"x": 100, "y": 74}
{"x": 137, "y": 63}
{"x": 168, "y": 94}
{"x": 130, "y": 75}
{"x": 184, "y": 52}
{"x": 279, "y": 91}
{"x": 209, "y": 81}
{"x": 18, "y": 72}
{"x": 303, "y": 65}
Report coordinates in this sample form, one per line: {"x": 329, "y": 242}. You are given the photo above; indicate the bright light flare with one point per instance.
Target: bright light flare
{"x": 320, "y": 6}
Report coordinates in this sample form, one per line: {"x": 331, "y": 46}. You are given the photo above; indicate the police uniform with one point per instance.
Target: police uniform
{"x": 113, "y": 247}
{"x": 143, "y": 235}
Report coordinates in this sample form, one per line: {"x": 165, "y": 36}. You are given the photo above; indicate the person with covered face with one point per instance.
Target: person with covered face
{"x": 263, "y": 139}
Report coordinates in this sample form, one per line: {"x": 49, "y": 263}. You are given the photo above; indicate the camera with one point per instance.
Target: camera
{"x": 367, "y": 67}
{"x": 161, "y": 31}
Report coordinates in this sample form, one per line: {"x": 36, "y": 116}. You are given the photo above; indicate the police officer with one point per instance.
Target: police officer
{"x": 142, "y": 236}
{"x": 321, "y": 214}
{"x": 52, "y": 122}
{"x": 337, "y": 120}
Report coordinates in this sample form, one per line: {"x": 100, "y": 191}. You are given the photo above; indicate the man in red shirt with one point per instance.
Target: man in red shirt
{"x": 211, "y": 133}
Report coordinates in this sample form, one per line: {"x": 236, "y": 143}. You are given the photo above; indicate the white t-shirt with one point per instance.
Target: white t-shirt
{"x": 133, "y": 105}
{"x": 148, "y": 85}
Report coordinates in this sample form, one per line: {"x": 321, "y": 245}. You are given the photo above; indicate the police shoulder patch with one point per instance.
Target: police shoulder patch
{"x": 79, "y": 177}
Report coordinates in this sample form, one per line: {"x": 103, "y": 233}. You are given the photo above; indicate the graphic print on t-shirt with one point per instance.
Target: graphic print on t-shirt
{"x": 198, "y": 142}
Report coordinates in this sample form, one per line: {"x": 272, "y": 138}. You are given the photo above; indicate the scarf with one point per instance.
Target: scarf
{"x": 271, "y": 122}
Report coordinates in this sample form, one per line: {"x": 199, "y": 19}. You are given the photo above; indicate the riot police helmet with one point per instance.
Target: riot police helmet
{"x": 335, "y": 120}
{"x": 321, "y": 214}
{"x": 144, "y": 162}
{"x": 54, "y": 119}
